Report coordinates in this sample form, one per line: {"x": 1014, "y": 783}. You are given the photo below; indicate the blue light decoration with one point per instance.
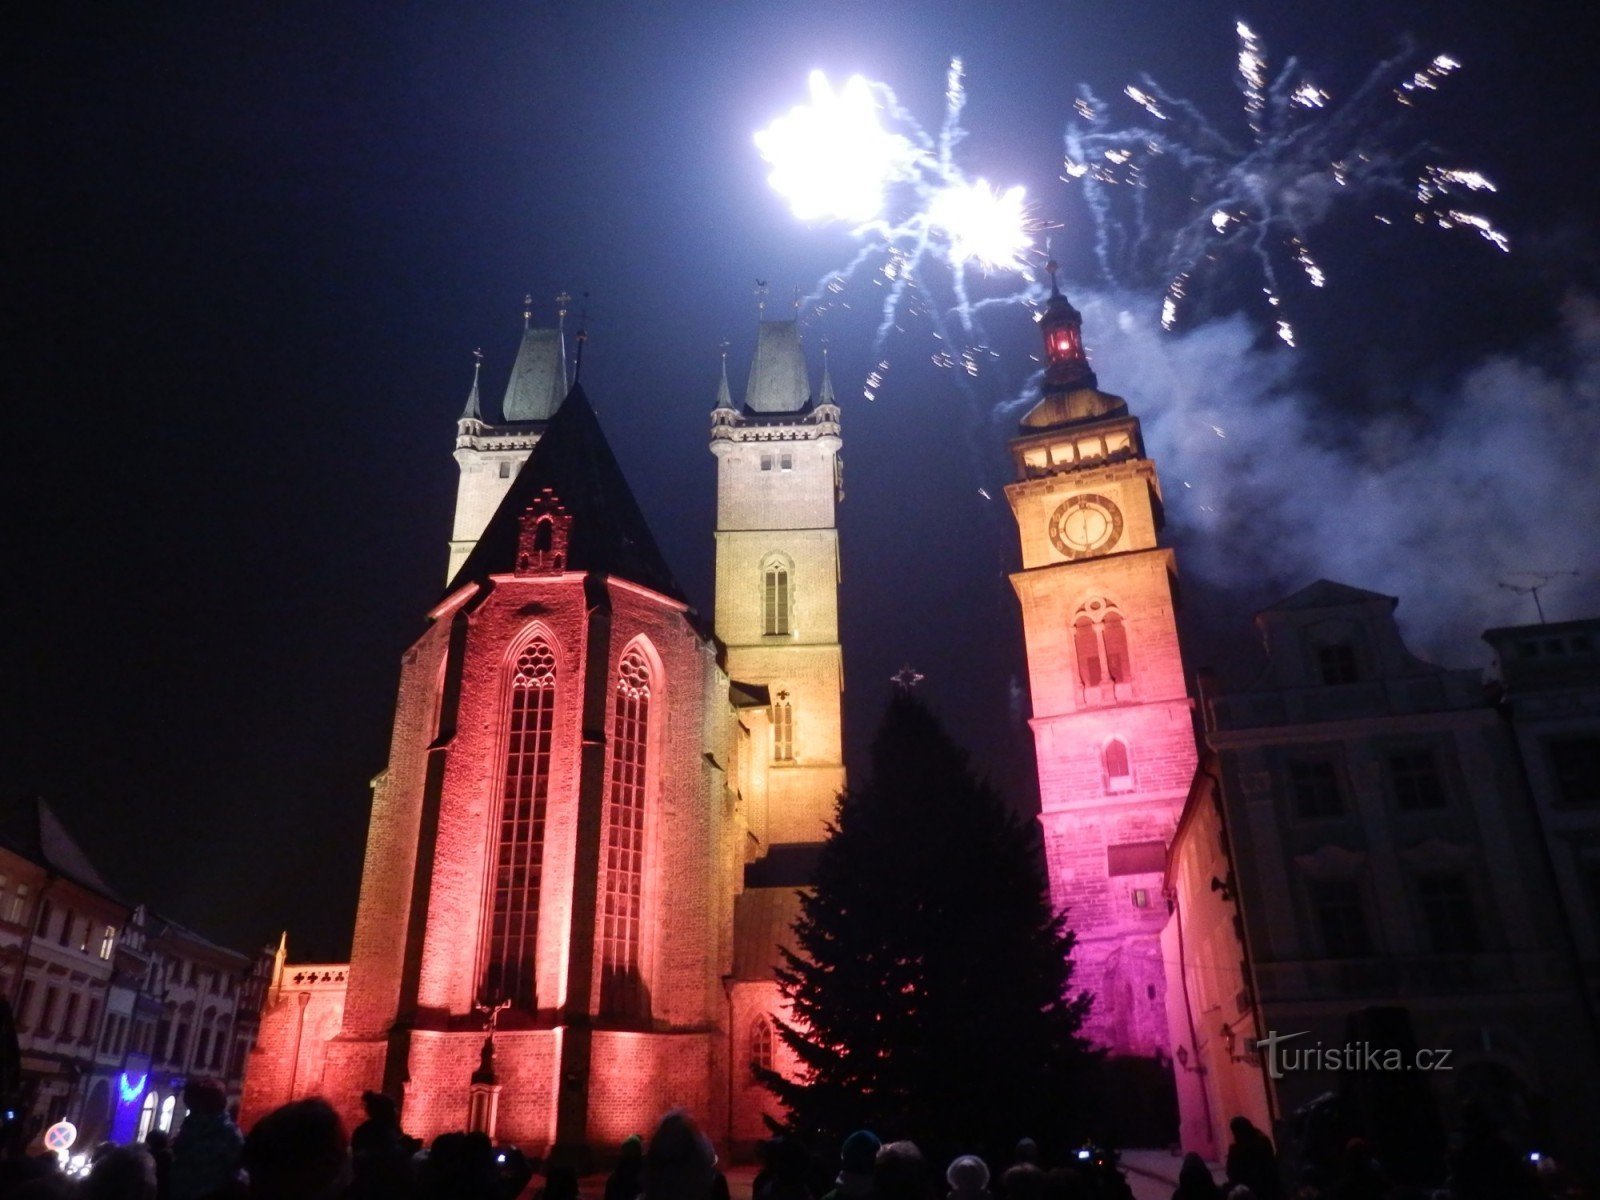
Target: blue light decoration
{"x": 125, "y": 1121}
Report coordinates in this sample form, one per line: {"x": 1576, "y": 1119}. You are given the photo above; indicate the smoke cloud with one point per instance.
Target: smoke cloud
{"x": 1474, "y": 485}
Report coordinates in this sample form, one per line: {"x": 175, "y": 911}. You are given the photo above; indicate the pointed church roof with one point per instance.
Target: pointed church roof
{"x": 609, "y": 533}
{"x": 778, "y": 380}
{"x": 474, "y": 409}
{"x": 1325, "y": 593}
{"x": 32, "y": 829}
{"x": 724, "y": 397}
{"x": 825, "y": 393}
{"x": 538, "y": 378}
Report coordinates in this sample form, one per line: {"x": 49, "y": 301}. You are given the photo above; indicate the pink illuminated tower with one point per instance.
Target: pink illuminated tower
{"x": 1111, "y": 714}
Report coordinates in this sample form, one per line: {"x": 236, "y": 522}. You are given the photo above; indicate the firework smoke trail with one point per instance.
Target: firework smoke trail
{"x": 931, "y": 223}
{"x": 1307, "y": 156}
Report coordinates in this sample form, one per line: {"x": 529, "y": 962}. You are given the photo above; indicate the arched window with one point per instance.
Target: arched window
{"x": 542, "y": 536}
{"x": 1087, "y": 644}
{"x": 1119, "y": 772}
{"x": 512, "y": 936}
{"x": 147, "y": 1115}
{"x": 621, "y": 988}
{"x": 761, "y": 1046}
{"x": 782, "y": 729}
{"x": 777, "y": 597}
{"x": 1100, "y": 644}
{"x": 164, "y": 1122}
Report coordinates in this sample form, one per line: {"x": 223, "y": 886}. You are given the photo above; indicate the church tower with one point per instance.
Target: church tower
{"x": 777, "y": 615}
{"x": 777, "y": 602}
{"x": 1111, "y": 714}
{"x": 490, "y": 448}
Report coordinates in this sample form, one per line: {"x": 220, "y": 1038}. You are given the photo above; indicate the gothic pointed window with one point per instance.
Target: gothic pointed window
{"x": 513, "y": 925}
{"x": 1087, "y": 644}
{"x": 1100, "y": 646}
{"x": 777, "y": 597}
{"x": 542, "y": 536}
{"x": 783, "y": 729}
{"x": 621, "y": 985}
{"x": 761, "y": 1046}
{"x": 1115, "y": 639}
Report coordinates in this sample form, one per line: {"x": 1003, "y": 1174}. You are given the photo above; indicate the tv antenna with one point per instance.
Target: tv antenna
{"x": 1540, "y": 579}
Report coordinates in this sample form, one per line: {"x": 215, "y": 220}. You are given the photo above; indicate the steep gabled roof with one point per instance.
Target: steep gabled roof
{"x": 609, "y": 533}
{"x": 538, "y": 377}
{"x": 32, "y": 829}
{"x": 1325, "y": 593}
{"x": 778, "y": 379}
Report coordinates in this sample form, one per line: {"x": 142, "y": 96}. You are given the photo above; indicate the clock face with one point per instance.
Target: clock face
{"x": 1085, "y": 524}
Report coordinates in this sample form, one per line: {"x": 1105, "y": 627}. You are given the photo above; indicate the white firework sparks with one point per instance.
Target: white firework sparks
{"x": 1179, "y": 200}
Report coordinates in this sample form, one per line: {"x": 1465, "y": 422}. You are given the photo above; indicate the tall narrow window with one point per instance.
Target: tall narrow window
{"x": 1088, "y": 648}
{"x": 1448, "y": 914}
{"x": 513, "y": 932}
{"x": 761, "y": 1039}
{"x": 776, "y": 597}
{"x": 1341, "y": 918}
{"x": 1100, "y": 645}
{"x": 1115, "y": 638}
{"x": 783, "y": 729}
{"x": 621, "y": 988}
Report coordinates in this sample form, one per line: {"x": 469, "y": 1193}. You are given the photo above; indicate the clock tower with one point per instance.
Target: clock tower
{"x": 1111, "y": 720}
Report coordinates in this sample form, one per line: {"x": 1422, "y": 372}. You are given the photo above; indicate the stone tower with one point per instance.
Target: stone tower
{"x": 1111, "y": 721}
{"x": 777, "y": 603}
{"x": 490, "y": 449}
{"x": 777, "y": 614}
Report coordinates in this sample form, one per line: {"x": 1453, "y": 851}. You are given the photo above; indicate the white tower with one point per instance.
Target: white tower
{"x": 490, "y": 452}
{"x": 777, "y": 605}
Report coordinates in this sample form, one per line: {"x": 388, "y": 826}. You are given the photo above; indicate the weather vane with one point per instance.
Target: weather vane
{"x": 761, "y": 296}
{"x": 527, "y": 309}
{"x": 906, "y": 678}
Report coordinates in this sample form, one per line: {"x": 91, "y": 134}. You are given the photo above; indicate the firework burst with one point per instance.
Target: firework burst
{"x": 1176, "y": 200}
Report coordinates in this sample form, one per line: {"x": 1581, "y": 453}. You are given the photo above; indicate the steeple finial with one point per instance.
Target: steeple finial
{"x": 583, "y": 340}
{"x": 761, "y": 298}
{"x": 562, "y": 300}
{"x": 527, "y": 310}
{"x": 1053, "y": 267}
{"x": 474, "y": 410}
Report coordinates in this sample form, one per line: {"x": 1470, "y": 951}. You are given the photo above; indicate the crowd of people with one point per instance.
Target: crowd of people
{"x": 301, "y": 1152}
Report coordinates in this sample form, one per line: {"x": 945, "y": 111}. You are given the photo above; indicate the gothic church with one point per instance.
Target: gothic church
{"x": 584, "y": 851}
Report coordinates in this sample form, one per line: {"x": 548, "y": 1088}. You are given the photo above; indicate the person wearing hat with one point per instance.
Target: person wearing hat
{"x": 856, "y": 1159}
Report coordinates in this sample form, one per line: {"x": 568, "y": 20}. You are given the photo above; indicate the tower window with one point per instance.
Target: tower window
{"x": 783, "y": 729}
{"x": 1575, "y": 763}
{"x": 505, "y": 469}
{"x": 1100, "y": 646}
{"x": 777, "y": 599}
{"x": 1118, "y": 771}
{"x": 786, "y": 462}
{"x": 1448, "y": 914}
{"x": 621, "y": 987}
{"x": 1341, "y": 919}
{"x": 766, "y": 462}
{"x": 513, "y": 933}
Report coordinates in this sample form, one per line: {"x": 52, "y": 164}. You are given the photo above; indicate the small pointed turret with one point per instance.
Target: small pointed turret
{"x": 825, "y": 393}
{"x": 724, "y": 395}
{"x": 474, "y": 408}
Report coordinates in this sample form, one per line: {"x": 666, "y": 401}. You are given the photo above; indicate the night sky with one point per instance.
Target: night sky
{"x": 250, "y": 249}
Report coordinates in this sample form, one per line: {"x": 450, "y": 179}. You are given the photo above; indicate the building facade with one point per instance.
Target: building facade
{"x": 1112, "y": 719}
{"x": 586, "y": 790}
{"x": 1358, "y": 864}
{"x": 114, "y": 1007}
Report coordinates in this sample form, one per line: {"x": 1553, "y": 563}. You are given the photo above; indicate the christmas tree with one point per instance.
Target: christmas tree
{"x": 931, "y": 997}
